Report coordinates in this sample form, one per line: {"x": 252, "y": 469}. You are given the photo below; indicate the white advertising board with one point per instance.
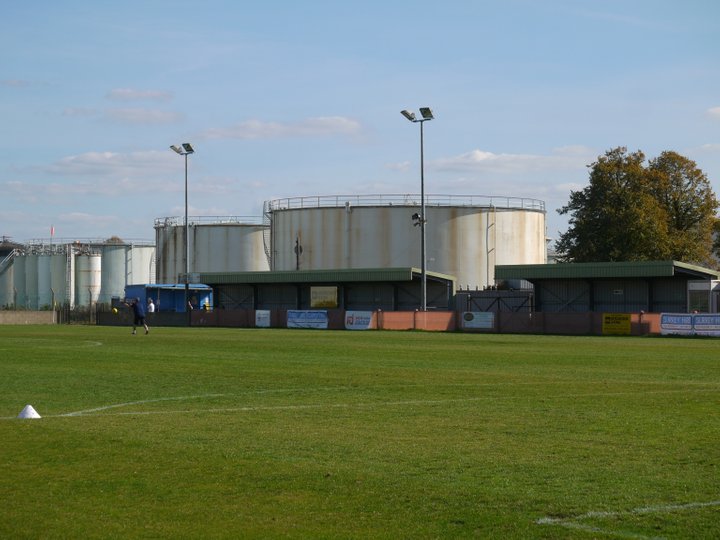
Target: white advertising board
{"x": 307, "y": 318}
{"x": 689, "y": 324}
{"x": 262, "y": 318}
{"x": 358, "y": 320}
{"x": 484, "y": 320}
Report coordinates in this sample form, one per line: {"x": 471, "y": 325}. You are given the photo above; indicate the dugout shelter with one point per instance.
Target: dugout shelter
{"x": 618, "y": 287}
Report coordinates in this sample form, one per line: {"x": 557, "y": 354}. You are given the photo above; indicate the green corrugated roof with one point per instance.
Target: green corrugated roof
{"x": 634, "y": 269}
{"x": 318, "y": 276}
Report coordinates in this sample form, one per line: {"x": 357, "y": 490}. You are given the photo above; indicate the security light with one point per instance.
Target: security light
{"x": 184, "y": 149}
{"x": 426, "y": 113}
{"x": 409, "y": 115}
{"x": 420, "y": 219}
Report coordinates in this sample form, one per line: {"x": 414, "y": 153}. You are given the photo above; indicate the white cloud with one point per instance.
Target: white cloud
{"x": 714, "y": 112}
{"x": 401, "y": 166}
{"x": 80, "y": 112}
{"x": 130, "y": 94}
{"x": 113, "y": 164}
{"x": 310, "y": 127}
{"x": 14, "y": 83}
{"x": 561, "y": 159}
{"x": 143, "y": 116}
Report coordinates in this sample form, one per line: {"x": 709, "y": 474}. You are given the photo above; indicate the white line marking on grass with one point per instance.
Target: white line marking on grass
{"x": 576, "y": 522}
{"x": 127, "y": 404}
{"x": 255, "y": 408}
{"x": 88, "y": 412}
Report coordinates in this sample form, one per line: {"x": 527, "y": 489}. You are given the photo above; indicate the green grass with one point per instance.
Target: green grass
{"x": 228, "y": 433}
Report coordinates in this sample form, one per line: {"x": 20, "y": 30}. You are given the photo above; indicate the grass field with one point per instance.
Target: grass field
{"x": 249, "y": 433}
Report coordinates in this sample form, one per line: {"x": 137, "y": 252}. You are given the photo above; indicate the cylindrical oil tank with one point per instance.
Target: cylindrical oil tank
{"x": 59, "y": 277}
{"x": 31, "y": 281}
{"x": 7, "y": 280}
{"x": 114, "y": 272}
{"x": 216, "y": 244}
{"x": 19, "y": 294}
{"x": 466, "y": 235}
{"x": 44, "y": 281}
{"x": 141, "y": 264}
{"x": 125, "y": 264}
{"x": 88, "y": 277}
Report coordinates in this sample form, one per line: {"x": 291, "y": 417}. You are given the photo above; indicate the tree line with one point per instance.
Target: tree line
{"x": 633, "y": 210}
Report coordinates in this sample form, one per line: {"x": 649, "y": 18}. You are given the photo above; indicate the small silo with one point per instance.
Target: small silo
{"x": 141, "y": 264}
{"x": 62, "y": 262}
{"x": 467, "y": 235}
{"x": 31, "y": 280}
{"x": 7, "y": 272}
{"x": 19, "y": 293}
{"x": 44, "y": 281}
{"x": 8, "y": 253}
{"x": 124, "y": 264}
{"x": 88, "y": 278}
{"x": 216, "y": 244}
{"x": 114, "y": 271}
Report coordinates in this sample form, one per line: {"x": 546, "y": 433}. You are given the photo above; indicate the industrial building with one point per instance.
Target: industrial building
{"x": 42, "y": 275}
{"x": 467, "y": 236}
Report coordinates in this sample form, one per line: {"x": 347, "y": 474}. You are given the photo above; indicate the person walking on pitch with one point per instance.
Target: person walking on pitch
{"x": 138, "y": 315}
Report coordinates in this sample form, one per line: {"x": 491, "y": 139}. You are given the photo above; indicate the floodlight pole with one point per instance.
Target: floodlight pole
{"x": 184, "y": 150}
{"x": 426, "y": 115}
{"x": 186, "y": 241}
{"x": 423, "y": 241}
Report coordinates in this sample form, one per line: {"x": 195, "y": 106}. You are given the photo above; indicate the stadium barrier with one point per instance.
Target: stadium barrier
{"x": 636, "y": 324}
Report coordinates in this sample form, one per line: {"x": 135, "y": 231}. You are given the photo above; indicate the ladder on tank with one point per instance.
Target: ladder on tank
{"x": 7, "y": 260}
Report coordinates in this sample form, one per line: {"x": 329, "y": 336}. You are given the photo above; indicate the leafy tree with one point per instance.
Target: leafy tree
{"x": 630, "y": 212}
{"x": 685, "y": 195}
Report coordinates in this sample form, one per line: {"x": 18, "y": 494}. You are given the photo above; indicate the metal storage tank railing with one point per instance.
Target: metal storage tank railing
{"x": 216, "y": 244}
{"x": 467, "y": 235}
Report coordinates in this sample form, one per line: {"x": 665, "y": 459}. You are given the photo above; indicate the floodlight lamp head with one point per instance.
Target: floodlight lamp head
{"x": 426, "y": 113}
{"x": 409, "y": 115}
{"x": 184, "y": 149}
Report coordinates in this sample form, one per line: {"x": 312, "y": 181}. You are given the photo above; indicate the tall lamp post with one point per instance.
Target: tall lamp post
{"x": 420, "y": 220}
{"x": 185, "y": 149}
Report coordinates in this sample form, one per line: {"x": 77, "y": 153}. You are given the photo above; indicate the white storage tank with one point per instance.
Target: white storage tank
{"x": 114, "y": 271}
{"x": 44, "y": 281}
{"x": 88, "y": 277}
{"x": 59, "y": 284}
{"x": 466, "y": 235}
{"x": 7, "y": 282}
{"x": 31, "y": 281}
{"x": 217, "y": 244}
{"x": 19, "y": 294}
{"x": 124, "y": 264}
{"x": 140, "y": 264}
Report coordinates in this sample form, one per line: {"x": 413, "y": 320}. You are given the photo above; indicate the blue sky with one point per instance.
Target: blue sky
{"x": 283, "y": 98}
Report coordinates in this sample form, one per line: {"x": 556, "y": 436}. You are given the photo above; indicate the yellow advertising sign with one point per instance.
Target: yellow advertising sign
{"x": 616, "y": 323}
{"x": 323, "y": 297}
